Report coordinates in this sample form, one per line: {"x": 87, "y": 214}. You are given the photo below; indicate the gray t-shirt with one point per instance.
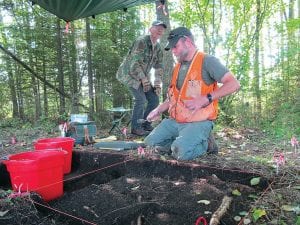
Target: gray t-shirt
{"x": 212, "y": 70}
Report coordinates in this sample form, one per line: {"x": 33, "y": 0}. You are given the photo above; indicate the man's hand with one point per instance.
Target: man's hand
{"x": 196, "y": 103}
{"x": 157, "y": 91}
{"x": 153, "y": 115}
{"x": 157, "y": 87}
{"x": 146, "y": 84}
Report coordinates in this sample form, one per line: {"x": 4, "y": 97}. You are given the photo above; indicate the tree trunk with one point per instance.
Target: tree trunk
{"x": 97, "y": 91}
{"x": 62, "y": 106}
{"x": 34, "y": 82}
{"x": 256, "y": 81}
{"x": 163, "y": 15}
{"x": 65, "y": 95}
{"x": 74, "y": 89}
{"x": 34, "y": 86}
{"x": 20, "y": 94}
{"x": 45, "y": 96}
{"x": 290, "y": 47}
{"x": 13, "y": 93}
{"x": 90, "y": 73}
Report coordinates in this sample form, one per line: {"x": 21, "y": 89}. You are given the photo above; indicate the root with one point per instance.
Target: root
{"x": 217, "y": 215}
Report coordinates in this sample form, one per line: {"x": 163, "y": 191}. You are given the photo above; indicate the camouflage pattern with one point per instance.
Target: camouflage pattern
{"x": 141, "y": 57}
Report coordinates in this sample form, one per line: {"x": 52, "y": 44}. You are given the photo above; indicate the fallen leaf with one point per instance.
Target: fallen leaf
{"x": 243, "y": 213}
{"x": 257, "y": 213}
{"x": 237, "y": 218}
{"x": 273, "y": 222}
{"x": 205, "y": 202}
{"x": 247, "y": 221}
{"x": 290, "y": 208}
{"x": 236, "y": 192}
{"x": 255, "y": 181}
{"x": 163, "y": 158}
{"x": 177, "y": 183}
{"x": 253, "y": 196}
{"x": 237, "y": 136}
{"x": 2, "y": 213}
{"x": 135, "y": 188}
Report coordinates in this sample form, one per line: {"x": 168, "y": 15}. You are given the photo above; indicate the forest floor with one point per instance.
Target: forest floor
{"x": 243, "y": 149}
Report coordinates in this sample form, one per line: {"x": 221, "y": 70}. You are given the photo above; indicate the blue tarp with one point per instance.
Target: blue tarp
{"x": 118, "y": 145}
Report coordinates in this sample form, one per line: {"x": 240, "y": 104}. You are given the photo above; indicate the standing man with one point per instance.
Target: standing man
{"x": 134, "y": 72}
{"x": 192, "y": 98}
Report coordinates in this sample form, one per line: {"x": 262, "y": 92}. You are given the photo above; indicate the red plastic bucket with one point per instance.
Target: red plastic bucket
{"x": 38, "y": 171}
{"x": 64, "y": 143}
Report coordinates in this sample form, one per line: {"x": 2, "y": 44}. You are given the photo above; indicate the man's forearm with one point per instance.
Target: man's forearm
{"x": 163, "y": 106}
{"x": 230, "y": 85}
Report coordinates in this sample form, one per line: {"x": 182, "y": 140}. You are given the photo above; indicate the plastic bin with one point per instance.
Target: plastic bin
{"x": 37, "y": 171}
{"x": 80, "y": 118}
{"x": 64, "y": 143}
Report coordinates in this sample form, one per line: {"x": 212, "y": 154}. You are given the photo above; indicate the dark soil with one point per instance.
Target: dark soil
{"x": 155, "y": 192}
{"x": 107, "y": 187}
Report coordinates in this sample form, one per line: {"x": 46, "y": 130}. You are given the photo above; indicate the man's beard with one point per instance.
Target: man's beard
{"x": 183, "y": 55}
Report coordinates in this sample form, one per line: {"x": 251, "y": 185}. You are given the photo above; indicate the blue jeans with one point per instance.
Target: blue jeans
{"x": 186, "y": 140}
{"x": 140, "y": 98}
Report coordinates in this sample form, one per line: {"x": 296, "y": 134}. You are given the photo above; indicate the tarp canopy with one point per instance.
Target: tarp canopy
{"x": 69, "y": 10}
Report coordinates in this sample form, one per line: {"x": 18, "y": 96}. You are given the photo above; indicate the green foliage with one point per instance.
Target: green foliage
{"x": 258, "y": 213}
{"x": 227, "y": 27}
{"x": 11, "y": 123}
{"x": 48, "y": 124}
{"x": 256, "y": 159}
{"x": 255, "y": 181}
{"x": 236, "y": 192}
{"x": 285, "y": 123}
{"x": 297, "y": 222}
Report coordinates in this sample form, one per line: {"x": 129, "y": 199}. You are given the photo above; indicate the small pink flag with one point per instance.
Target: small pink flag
{"x": 278, "y": 158}
{"x": 294, "y": 142}
{"x": 124, "y": 131}
{"x": 141, "y": 151}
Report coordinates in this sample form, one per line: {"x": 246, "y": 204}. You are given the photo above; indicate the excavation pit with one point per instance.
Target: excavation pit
{"x": 116, "y": 188}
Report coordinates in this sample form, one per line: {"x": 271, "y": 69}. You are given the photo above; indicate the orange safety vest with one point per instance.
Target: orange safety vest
{"x": 192, "y": 87}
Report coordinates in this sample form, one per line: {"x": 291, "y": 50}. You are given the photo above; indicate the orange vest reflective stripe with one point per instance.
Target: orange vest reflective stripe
{"x": 192, "y": 87}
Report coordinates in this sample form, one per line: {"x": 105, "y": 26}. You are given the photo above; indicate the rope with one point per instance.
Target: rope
{"x": 201, "y": 219}
{"x": 260, "y": 197}
{"x": 81, "y": 175}
{"x": 84, "y": 174}
{"x": 61, "y": 212}
{"x": 93, "y": 171}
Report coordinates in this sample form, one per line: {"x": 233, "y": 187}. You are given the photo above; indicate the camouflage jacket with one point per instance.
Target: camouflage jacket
{"x": 140, "y": 59}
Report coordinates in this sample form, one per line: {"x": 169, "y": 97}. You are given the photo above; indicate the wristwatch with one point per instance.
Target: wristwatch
{"x": 209, "y": 97}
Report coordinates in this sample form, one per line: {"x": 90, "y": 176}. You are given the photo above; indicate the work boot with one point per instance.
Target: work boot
{"x": 212, "y": 145}
{"x": 147, "y": 127}
{"x": 162, "y": 150}
{"x": 138, "y": 132}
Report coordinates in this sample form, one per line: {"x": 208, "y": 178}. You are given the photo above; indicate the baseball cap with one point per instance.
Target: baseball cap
{"x": 175, "y": 35}
{"x": 159, "y": 23}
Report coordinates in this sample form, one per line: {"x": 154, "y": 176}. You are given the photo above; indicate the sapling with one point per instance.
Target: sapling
{"x": 124, "y": 131}
{"x": 294, "y": 143}
{"x": 278, "y": 158}
{"x": 19, "y": 193}
{"x": 141, "y": 151}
